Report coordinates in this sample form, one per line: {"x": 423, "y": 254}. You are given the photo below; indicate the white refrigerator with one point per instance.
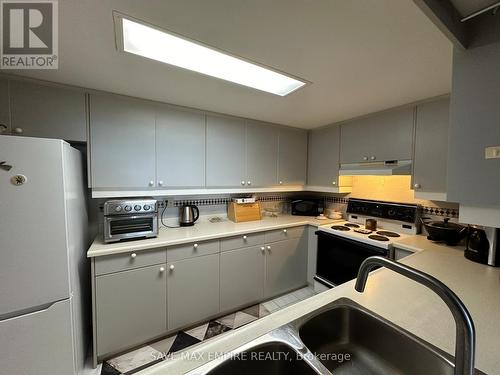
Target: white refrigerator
{"x": 43, "y": 268}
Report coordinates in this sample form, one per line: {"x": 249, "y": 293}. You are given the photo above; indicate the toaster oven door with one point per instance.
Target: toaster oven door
{"x": 122, "y": 227}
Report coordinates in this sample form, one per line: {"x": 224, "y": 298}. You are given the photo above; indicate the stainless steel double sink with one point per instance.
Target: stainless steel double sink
{"x": 340, "y": 338}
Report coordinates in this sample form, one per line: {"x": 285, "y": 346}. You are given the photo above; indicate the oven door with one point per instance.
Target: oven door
{"x": 339, "y": 258}
{"x": 121, "y": 227}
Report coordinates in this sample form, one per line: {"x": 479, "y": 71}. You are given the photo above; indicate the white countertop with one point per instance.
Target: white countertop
{"x": 397, "y": 299}
{"x": 201, "y": 231}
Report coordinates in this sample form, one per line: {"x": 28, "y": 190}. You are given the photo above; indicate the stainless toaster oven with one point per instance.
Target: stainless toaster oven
{"x": 130, "y": 219}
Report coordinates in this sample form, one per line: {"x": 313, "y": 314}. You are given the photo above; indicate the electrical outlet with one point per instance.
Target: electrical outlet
{"x": 492, "y": 152}
{"x": 162, "y": 203}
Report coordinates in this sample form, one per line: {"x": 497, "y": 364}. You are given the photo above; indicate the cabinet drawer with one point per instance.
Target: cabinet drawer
{"x": 192, "y": 249}
{"x": 245, "y": 240}
{"x": 130, "y": 260}
{"x": 284, "y": 234}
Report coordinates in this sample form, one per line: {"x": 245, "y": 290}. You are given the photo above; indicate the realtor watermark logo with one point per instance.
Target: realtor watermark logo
{"x": 29, "y": 34}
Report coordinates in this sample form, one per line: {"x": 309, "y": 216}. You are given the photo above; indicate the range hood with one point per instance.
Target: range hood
{"x": 387, "y": 168}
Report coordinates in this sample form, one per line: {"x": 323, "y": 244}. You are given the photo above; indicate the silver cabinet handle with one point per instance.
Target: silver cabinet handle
{"x": 334, "y": 182}
{"x": 417, "y": 186}
{"x": 284, "y": 231}
{"x": 151, "y": 183}
{"x": 245, "y": 237}
{"x": 171, "y": 267}
{"x": 268, "y": 247}
{"x": 160, "y": 183}
{"x": 249, "y": 183}
{"x": 365, "y": 157}
{"x": 243, "y": 183}
{"x": 18, "y": 130}
{"x": 162, "y": 269}
{"x": 133, "y": 255}
{"x": 281, "y": 182}
{"x": 262, "y": 248}
{"x": 372, "y": 157}
{"x": 195, "y": 245}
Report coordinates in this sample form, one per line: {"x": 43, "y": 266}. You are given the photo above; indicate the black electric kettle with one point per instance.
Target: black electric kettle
{"x": 189, "y": 214}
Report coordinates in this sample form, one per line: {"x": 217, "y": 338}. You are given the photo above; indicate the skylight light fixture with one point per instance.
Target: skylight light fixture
{"x": 159, "y": 45}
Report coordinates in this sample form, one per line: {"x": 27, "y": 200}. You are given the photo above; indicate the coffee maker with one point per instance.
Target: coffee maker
{"x": 483, "y": 245}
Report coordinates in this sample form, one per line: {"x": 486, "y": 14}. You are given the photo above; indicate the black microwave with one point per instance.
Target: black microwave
{"x": 307, "y": 207}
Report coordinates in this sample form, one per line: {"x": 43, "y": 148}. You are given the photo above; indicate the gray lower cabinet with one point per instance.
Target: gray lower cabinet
{"x": 47, "y": 111}
{"x": 292, "y": 157}
{"x": 323, "y": 160}
{"x": 192, "y": 290}
{"x": 286, "y": 266}
{"x": 225, "y": 163}
{"x": 131, "y": 307}
{"x": 380, "y": 137}
{"x": 241, "y": 277}
{"x": 261, "y": 154}
{"x": 180, "y": 147}
{"x": 4, "y": 107}
{"x": 122, "y": 142}
{"x": 431, "y": 147}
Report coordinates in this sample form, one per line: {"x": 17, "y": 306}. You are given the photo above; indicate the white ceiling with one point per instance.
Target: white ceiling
{"x": 360, "y": 55}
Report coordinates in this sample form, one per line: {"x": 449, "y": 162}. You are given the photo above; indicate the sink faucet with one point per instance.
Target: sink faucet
{"x": 465, "y": 333}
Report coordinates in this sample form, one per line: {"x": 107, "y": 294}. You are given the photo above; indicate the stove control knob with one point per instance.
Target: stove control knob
{"x": 146, "y": 207}
{"x": 118, "y": 208}
{"x": 128, "y": 208}
{"x": 137, "y": 207}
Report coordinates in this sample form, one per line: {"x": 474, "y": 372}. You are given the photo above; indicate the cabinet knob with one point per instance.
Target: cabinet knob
{"x": 249, "y": 183}
{"x": 245, "y": 237}
{"x": 133, "y": 255}
{"x": 171, "y": 267}
{"x": 262, "y": 248}
{"x": 284, "y": 230}
{"x": 162, "y": 269}
{"x": 3, "y": 128}
{"x": 268, "y": 247}
{"x": 417, "y": 186}
{"x": 151, "y": 183}
{"x": 334, "y": 182}
{"x": 365, "y": 157}
{"x": 18, "y": 130}
{"x": 160, "y": 183}
{"x": 281, "y": 182}
{"x": 243, "y": 183}
{"x": 372, "y": 157}
{"x": 195, "y": 245}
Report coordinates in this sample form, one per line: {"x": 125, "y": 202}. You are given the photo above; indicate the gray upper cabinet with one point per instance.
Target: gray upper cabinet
{"x": 261, "y": 154}
{"x": 241, "y": 277}
{"x": 292, "y": 157}
{"x": 122, "y": 136}
{"x": 323, "y": 160}
{"x": 431, "y": 147}
{"x": 192, "y": 290}
{"x": 225, "y": 164}
{"x": 47, "y": 111}
{"x": 286, "y": 266}
{"x": 131, "y": 307}
{"x": 180, "y": 147}
{"x": 4, "y": 107}
{"x": 380, "y": 137}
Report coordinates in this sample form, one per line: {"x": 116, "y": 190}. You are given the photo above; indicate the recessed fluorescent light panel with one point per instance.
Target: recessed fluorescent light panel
{"x": 155, "y": 44}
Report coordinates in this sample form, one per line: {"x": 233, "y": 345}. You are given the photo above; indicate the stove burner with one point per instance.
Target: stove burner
{"x": 340, "y": 227}
{"x": 388, "y": 234}
{"x": 351, "y": 225}
{"x": 363, "y": 231}
{"x": 378, "y": 238}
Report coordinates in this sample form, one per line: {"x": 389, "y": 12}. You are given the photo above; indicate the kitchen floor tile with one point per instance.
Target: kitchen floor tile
{"x": 242, "y": 318}
{"x": 270, "y": 306}
{"x": 137, "y": 358}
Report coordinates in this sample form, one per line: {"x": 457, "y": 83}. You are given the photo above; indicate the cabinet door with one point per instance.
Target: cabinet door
{"x": 180, "y": 148}
{"x": 225, "y": 151}
{"x": 292, "y": 157}
{"x": 241, "y": 277}
{"x": 380, "y": 137}
{"x": 131, "y": 307}
{"x": 193, "y": 290}
{"x": 262, "y": 154}
{"x": 323, "y": 160}
{"x": 431, "y": 147}
{"x": 47, "y": 111}
{"x": 122, "y": 142}
{"x": 4, "y": 107}
{"x": 286, "y": 266}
